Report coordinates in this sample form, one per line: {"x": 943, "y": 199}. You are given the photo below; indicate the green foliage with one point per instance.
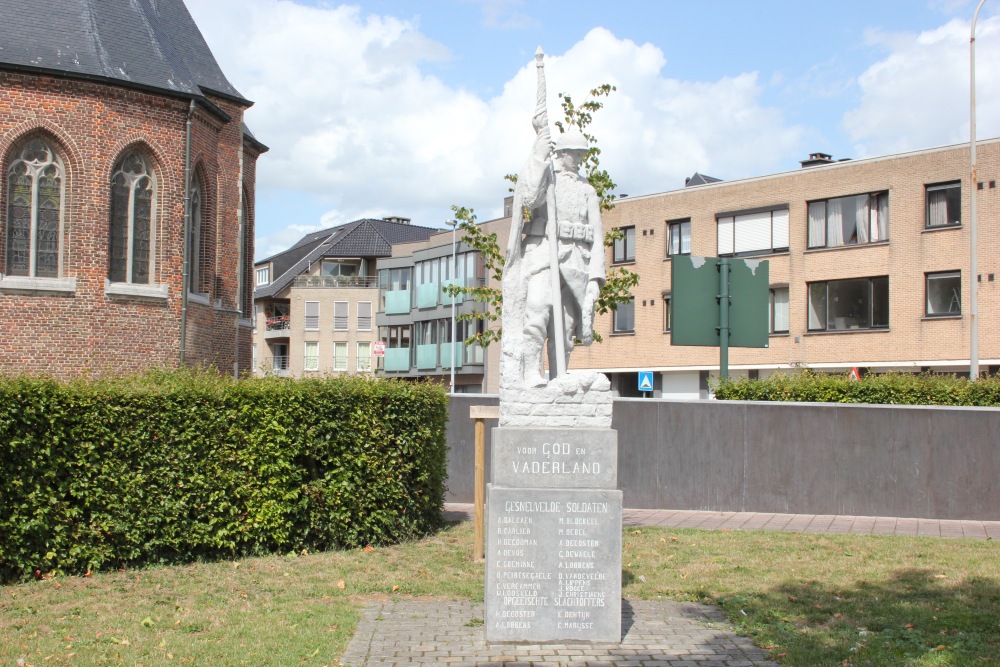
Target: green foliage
{"x": 176, "y": 466}
{"x": 581, "y": 117}
{"x": 891, "y": 389}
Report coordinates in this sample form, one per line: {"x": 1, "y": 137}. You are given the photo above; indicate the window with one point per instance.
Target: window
{"x": 857, "y": 303}
{"x": 312, "y": 356}
{"x": 338, "y": 269}
{"x": 341, "y": 313}
{"x": 279, "y": 357}
{"x": 364, "y": 356}
{"x": 131, "y": 239}
{"x": 624, "y": 317}
{"x": 778, "y": 314}
{"x": 753, "y": 232}
{"x": 624, "y": 248}
{"x": 679, "y": 238}
{"x": 255, "y": 313}
{"x": 340, "y": 356}
{"x": 34, "y": 211}
{"x": 364, "y": 316}
{"x": 944, "y": 294}
{"x": 264, "y": 275}
{"x": 195, "y": 238}
{"x": 666, "y": 313}
{"x": 854, "y": 220}
{"x": 312, "y": 316}
{"x": 944, "y": 204}
{"x": 253, "y": 358}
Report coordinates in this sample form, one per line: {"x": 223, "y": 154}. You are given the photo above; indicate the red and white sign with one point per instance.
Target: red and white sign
{"x": 379, "y": 348}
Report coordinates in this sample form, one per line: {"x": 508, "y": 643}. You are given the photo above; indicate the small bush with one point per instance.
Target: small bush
{"x": 175, "y": 466}
{"x": 890, "y": 388}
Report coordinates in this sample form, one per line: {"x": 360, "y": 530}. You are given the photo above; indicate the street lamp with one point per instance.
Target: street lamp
{"x": 454, "y": 228}
{"x": 973, "y": 260}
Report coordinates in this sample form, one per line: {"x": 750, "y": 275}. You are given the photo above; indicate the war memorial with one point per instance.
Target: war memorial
{"x": 554, "y": 513}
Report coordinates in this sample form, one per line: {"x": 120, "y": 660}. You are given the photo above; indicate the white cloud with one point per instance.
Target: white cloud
{"x": 351, "y": 118}
{"x": 918, "y": 95}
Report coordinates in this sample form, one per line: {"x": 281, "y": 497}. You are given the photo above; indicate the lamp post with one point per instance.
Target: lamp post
{"x": 454, "y": 228}
{"x": 973, "y": 260}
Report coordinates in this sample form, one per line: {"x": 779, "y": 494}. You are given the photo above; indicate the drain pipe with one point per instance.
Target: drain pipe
{"x": 187, "y": 236}
{"x": 241, "y": 275}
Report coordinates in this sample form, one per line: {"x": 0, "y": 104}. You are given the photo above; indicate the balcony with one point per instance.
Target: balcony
{"x": 446, "y": 352}
{"x": 397, "y": 359}
{"x": 279, "y": 366}
{"x": 277, "y": 326}
{"x": 331, "y": 282}
{"x": 397, "y": 302}
{"x": 427, "y": 357}
{"x": 427, "y": 295}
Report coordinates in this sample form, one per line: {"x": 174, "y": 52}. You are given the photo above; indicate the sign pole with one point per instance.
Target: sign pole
{"x": 724, "y": 318}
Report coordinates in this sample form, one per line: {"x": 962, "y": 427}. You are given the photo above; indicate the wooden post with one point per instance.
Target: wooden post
{"x": 481, "y": 413}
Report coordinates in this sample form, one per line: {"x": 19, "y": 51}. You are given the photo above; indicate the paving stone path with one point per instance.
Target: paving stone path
{"x": 655, "y": 634}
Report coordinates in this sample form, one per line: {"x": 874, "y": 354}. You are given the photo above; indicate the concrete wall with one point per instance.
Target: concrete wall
{"x": 907, "y": 461}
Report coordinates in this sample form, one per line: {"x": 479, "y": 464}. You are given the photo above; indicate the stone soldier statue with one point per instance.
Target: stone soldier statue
{"x": 557, "y": 235}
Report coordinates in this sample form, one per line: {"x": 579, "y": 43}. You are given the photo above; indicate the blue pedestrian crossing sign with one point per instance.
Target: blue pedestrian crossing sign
{"x": 645, "y": 380}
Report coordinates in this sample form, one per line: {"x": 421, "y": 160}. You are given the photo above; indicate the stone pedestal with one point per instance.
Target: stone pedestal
{"x": 553, "y": 536}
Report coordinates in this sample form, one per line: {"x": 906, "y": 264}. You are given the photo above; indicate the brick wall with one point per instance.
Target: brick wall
{"x": 88, "y": 330}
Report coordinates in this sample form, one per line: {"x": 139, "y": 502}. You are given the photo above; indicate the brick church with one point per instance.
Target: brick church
{"x": 127, "y": 199}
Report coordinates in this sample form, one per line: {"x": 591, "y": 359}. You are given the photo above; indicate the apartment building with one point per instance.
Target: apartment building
{"x": 314, "y": 304}
{"x": 868, "y": 266}
{"x": 415, "y": 314}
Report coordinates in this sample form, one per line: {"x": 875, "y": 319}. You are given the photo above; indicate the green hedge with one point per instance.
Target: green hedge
{"x": 174, "y": 466}
{"x": 890, "y": 388}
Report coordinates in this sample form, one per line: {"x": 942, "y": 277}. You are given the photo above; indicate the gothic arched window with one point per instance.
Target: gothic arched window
{"x": 34, "y": 211}
{"x": 195, "y": 266}
{"x": 132, "y": 203}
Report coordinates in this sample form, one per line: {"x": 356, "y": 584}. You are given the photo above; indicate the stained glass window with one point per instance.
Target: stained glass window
{"x": 34, "y": 211}
{"x": 130, "y": 242}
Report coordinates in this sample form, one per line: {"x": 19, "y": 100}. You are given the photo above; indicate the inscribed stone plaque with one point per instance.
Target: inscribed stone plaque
{"x": 561, "y": 458}
{"x": 553, "y": 565}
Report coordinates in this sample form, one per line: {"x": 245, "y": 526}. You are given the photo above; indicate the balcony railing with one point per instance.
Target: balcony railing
{"x": 336, "y": 281}
{"x": 277, "y": 323}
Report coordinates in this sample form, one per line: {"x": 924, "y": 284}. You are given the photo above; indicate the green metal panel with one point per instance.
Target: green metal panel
{"x": 749, "y": 302}
{"x": 427, "y": 357}
{"x": 446, "y": 354}
{"x": 694, "y": 303}
{"x": 694, "y": 309}
{"x": 427, "y": 295}
{"x": 397, "y": 359}
{"x": 397, "y": 302}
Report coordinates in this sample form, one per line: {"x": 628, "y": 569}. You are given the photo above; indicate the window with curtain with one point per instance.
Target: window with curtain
{"x": 856, "y": 303}
{"x": 853, "y": 220}
{"x": 131, "y": 229}
{"x": 340, "y": 356}
{"x": 753, "y": 232}
{"x": 312, "y": 356}
{"x": 779, "y": 310}
{"x": 624, "y": 247}
{"x": 364, "y": 356}
{"x": 679, "y": 237}
{"x": 623, "y": 317}
{"x": 944, "y": 294}
{"x": 944, "y": 204}
{"x": 35, "y": 188}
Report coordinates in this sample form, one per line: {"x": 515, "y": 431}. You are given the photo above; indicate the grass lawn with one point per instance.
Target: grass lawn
{"x": 810, "y": 599}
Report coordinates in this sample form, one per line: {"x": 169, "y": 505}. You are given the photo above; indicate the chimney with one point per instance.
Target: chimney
{"x": 816, "y": 159}
{"x": 397, "y": 219}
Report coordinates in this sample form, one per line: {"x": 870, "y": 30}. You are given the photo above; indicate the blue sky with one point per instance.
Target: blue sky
{"x": 388, "y": 107}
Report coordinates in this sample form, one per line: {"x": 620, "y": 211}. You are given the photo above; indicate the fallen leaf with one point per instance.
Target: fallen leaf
{"x": 837, "y": 615}
{"x": 908, "y": 626}
{"x": 793, "y": 598}
{"x": 395, "y": 588}
{"x": 340, "y": 584}
{"x": 369, "y": 548}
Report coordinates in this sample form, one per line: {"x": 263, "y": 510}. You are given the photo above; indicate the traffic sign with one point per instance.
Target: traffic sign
{"x": 645, "y": 380}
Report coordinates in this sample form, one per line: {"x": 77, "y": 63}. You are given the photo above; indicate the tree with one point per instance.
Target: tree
{"x": 619, "y": 282}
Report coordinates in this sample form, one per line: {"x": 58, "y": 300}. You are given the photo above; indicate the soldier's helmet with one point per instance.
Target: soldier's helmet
{"x": 571, "y": 140}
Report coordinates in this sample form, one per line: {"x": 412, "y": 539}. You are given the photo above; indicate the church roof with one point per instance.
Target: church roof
{"x": 148, "y": 44}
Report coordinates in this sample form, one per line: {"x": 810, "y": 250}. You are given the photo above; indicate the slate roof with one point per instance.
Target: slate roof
{"x": 700, "y": 179}
{"x": 361, "y": 238}
{"x": 148, "y": 44}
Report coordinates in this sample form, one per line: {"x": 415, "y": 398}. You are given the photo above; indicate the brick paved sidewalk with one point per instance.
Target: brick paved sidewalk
{"x": 802, "y": 523}
{"x": 655, "y": 633}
